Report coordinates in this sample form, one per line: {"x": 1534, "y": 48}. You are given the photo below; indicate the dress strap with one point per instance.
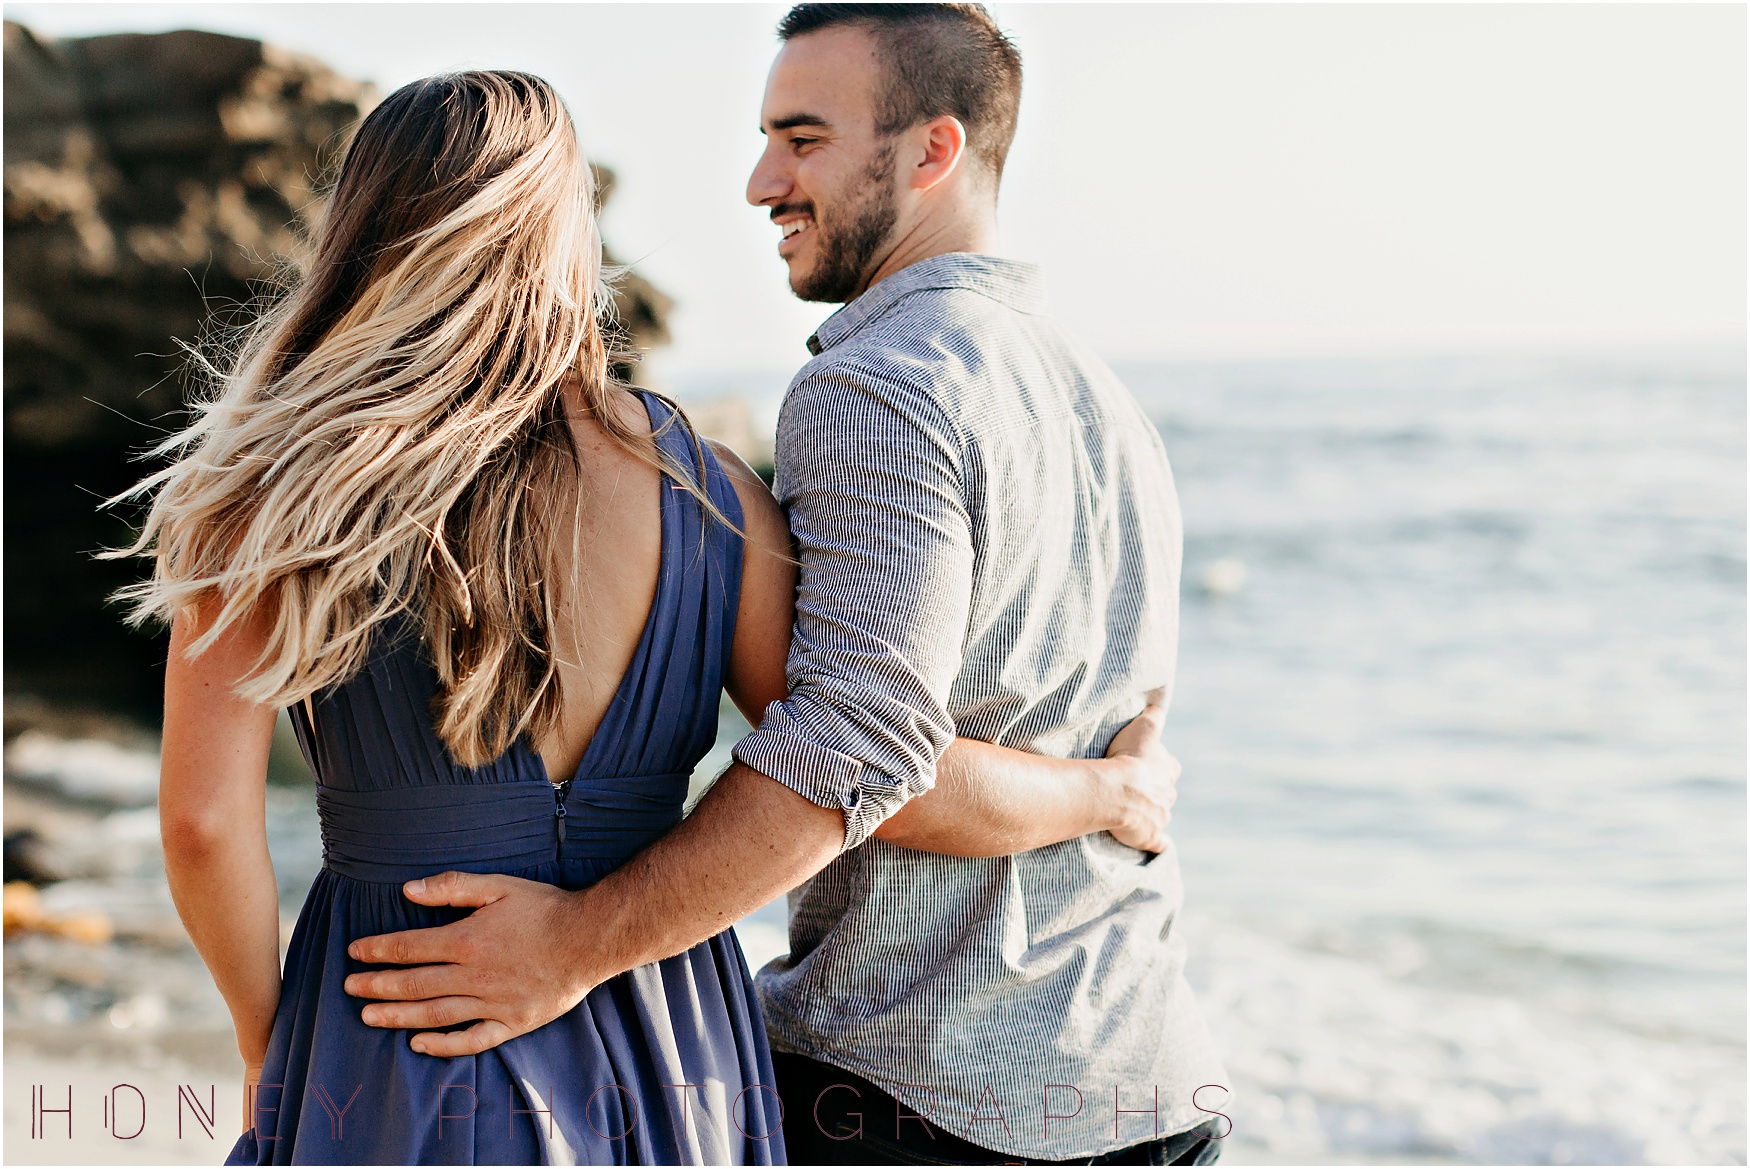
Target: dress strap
{"x": 709, "y": 550}
{"x": 677, "y": 435}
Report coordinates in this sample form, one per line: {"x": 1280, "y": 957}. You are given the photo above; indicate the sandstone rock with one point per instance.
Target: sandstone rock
{"x": 149, "y": 180}
{"x": 88, "y": 926}
{"x": 24, "y": 912}
{"x": 32, "y": 860}
{"x": 153, "y": 183}
{"x": 23, "y": 907}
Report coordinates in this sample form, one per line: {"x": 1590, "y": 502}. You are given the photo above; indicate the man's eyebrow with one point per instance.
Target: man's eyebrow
{"x": 794, "y": 120}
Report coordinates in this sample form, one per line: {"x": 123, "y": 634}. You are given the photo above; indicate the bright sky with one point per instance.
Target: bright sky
{"x": 1199, "y": 181}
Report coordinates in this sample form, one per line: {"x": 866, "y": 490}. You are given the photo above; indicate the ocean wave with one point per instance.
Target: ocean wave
{"x": 1332, "y": 1056}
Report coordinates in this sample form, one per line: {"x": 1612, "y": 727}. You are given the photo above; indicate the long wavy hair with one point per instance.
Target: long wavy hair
{"x": 391, "y": 436}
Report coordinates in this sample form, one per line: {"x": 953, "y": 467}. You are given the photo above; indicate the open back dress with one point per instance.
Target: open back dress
{"x": 666, "y": 1064}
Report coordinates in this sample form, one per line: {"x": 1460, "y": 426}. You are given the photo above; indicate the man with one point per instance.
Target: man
{"x": 989, "y": 545}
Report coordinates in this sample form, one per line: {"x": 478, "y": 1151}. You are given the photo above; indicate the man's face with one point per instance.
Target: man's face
{"x": 825, "y": 175}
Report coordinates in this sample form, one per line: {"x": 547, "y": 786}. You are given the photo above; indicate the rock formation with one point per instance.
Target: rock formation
{"x": 152, "y": 184}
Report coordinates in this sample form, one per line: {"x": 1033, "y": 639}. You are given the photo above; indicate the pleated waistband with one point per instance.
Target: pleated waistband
{"x": 397, "y": 834}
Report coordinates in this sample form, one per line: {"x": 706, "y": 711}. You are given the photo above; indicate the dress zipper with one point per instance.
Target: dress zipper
{"x": 560, "y": 791}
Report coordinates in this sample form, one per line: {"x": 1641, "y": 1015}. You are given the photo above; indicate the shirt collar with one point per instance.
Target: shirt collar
{"x": 1015, "y": 284}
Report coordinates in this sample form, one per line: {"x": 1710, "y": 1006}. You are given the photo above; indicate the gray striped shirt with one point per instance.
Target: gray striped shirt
{"x": 989, "y": 539}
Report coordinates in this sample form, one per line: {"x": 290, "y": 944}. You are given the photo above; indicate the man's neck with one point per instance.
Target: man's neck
{"x": 969, "y": 233}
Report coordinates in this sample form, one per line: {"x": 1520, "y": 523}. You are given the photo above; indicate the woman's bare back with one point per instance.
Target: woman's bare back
{"x": 604, "y": 580}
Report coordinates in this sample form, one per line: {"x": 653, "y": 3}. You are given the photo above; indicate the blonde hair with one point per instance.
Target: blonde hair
{"x": 391, "y": 436}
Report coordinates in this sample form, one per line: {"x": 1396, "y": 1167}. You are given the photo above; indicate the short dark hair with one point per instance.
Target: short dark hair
{"x": 940, "y": 59}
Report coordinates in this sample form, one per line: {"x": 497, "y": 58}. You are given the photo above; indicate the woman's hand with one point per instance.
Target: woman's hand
{"x": 995, "y": 801}
{"x": 1142, "y": 779}
{"x": 251, "y": 1077}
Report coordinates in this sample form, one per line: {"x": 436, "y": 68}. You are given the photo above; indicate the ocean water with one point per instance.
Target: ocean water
{"x": 1461, "y": 707}
{"x": 1461, "y": 703}
{"x": 1463, "y": 812}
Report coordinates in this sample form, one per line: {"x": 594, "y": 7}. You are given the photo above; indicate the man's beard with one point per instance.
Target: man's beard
{"x": 846, "y": 249}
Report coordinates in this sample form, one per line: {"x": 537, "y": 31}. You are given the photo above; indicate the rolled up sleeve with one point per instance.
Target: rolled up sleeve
{"x": 870, "y": 475}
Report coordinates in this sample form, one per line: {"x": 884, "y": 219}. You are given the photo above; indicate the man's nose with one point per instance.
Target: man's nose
{"x": 767, "y": 183}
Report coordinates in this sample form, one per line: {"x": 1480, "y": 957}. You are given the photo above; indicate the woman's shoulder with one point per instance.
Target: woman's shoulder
{"x": 743, "y": 476}
{"x": 762, "y": 519}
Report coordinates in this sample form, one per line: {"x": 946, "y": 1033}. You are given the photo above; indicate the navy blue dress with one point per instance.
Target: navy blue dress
{"x": 666, "y": 1064}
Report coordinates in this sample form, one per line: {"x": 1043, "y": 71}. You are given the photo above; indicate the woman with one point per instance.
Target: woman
{"x": 500, "y": 595}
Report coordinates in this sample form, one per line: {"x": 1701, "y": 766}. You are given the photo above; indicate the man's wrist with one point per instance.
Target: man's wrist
{"x": 587, "y": 940}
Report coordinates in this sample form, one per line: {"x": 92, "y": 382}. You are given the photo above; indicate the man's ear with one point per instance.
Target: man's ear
{"x": 943, "y": 151}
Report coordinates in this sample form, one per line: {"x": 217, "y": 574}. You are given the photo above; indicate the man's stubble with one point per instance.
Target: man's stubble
{"x": 847, "y": 248}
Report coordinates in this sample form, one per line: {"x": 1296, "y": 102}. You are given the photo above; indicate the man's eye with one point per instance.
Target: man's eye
{"x": 799, "y": 143}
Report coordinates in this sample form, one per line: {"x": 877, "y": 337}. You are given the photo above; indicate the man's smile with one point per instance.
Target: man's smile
{"x": 794, "y": 228}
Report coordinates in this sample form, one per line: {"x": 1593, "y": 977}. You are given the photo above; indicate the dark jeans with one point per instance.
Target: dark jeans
{"x": 801, "y": 1082}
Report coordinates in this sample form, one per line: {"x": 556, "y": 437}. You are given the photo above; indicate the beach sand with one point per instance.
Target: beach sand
{"x": 155, "y": 1113}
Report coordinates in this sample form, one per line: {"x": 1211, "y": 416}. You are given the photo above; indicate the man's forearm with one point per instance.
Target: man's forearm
{"x": 749, "y": 840}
